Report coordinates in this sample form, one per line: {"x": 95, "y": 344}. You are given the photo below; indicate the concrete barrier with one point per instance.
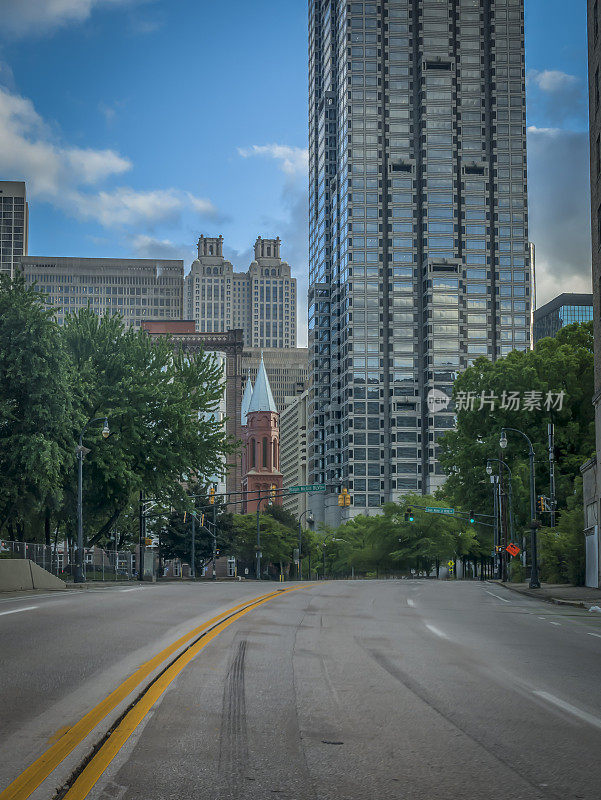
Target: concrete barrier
{"x": 21, "y": 573}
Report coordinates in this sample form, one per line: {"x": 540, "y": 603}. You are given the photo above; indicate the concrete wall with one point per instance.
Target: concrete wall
{"x": 21, "y": 573}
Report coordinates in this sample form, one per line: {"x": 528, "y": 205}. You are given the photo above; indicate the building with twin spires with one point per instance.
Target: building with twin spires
{"x": 261, "y": 301}
{"x": 261, "y": 476}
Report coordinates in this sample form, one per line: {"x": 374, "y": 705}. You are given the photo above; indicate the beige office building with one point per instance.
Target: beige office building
{"x": 261, "y": 301}
{"x": 135, "y": 288}
{"x": 288, "y": 370}
{"x": 14, "y": 222}
{"x": 293, "y": 451}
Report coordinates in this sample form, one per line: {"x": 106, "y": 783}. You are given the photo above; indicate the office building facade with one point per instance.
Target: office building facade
{"x": 565, "y": 309}
{"x": 293, "y": 451}
{"x": 137, "y": 289}
{"x": 288, "y": 370}
{"x": 418, "y": 250}
{"x": 262, "y": 301}
{"x": 14, "y": 225}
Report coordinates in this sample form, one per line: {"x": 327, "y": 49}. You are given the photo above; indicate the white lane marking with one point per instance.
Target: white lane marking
{"x": 436, "y": 631}
{"x": 498, "y": 598}
{"x": 17, "y": 610}
{"x": 411, "y": 602}
{"x": 576, "y": 712}
{"x": 598, "y": 635}
{"x": 555, "y": 623}
{"x": 542, "y": 618}
{"x": 137, "y": 589}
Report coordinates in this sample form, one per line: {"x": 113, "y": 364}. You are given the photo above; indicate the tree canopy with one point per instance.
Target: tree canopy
{"x": 55, "y": 379}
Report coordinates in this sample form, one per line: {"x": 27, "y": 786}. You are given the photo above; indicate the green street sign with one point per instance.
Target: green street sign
{"x": 434, "y": 510}
{"x": 311, "y": 487}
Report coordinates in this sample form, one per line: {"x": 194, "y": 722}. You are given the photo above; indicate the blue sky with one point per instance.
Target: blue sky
{"x": 139, "y": 124}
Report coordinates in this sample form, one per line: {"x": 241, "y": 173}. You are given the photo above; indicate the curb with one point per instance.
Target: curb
{"x": 545, "y": 598}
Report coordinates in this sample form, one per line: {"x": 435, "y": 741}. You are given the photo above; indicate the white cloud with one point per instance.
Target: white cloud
{"x": 552, "y": 80}
{"x": 559, "y": 204}
{"x": 292, "y": 160}
{"x": 554, "y": 97}
{"x": 22, "y": 17}
{"x": 149, "y": 247}
{"x": 64, "y": 175}
{"x": 27, "y": 149}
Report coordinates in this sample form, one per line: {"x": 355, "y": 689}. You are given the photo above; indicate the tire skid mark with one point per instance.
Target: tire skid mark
{"x": 233, "y": 741}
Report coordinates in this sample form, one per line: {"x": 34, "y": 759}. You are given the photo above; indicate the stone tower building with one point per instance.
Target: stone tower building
{"x": 261, "y": 433}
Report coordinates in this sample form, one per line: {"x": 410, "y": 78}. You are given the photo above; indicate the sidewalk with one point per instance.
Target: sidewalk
{"x": 559, "y": 593}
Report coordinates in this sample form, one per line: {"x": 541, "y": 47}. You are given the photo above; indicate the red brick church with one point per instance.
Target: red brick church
{"x": 261, "y": 476}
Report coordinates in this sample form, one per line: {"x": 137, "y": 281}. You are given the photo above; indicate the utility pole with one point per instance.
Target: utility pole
{"x": 551, "y": 433}
{"x": 142, "y": 538}
{"x": 503, "y": 521}
{"x": 192, "y": 545}
{"x": 259, "y": 537}
{"x": 214, "y": 535}
{"x": 494, "y": 480}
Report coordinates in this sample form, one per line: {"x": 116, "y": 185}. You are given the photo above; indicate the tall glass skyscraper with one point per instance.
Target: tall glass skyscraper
{"x": 418, "y": 229}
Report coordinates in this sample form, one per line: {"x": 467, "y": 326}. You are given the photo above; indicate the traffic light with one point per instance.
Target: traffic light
{"x": 185, "y": 515}
{"x": 472, "y": 518}
{"x": 409, "y": 514}
{"x": 217, "y": 553}
{"x": 540, "y": 504}
{"x": 201, "y": 520}
{"x": 211, "y": 494}
{"x": 344, "y": 498}
{"x": 272, "y": 492}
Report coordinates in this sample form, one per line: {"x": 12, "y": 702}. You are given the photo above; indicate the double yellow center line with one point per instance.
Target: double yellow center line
{"x": 28, "y": 781}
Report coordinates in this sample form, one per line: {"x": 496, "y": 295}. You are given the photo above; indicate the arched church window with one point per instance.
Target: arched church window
{"x": 253, "y": 447}
{"x": 265, "y": 451}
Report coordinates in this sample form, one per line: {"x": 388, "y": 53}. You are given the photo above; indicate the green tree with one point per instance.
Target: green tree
{"x": 176, "y": 529}
{"x": 37, "y": 418}
{"x": 159, "y": 405}
{"x": 277, "y": 541}
{"x": 562, "y": 549}
{"x": 560, "y": 364}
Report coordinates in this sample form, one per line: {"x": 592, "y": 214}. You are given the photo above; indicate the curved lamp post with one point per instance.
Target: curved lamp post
{"x": 534, "y": 579}
{"x": 81, "y": 451}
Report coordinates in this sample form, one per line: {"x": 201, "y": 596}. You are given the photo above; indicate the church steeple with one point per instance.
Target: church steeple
{"x": 261, "y": 458}
{"x": 262, "y": 397}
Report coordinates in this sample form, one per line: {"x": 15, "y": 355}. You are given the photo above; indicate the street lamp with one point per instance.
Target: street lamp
{"x": 534, "y": 579}
{"x": 309, "y": 520}
{"x": 81, "y": 451}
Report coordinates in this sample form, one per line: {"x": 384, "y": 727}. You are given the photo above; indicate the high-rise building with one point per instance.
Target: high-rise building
{"x": 262, "y": 301}
{"x": 287, "y": 369}
{"x": 564, "y": 309}
{"x": 418, "y": 240}
{"x": 293, "y": 451}
{"x": 591, "y": 471}
{"x": 14, "y": 224}
{"x": 135, "y": 288}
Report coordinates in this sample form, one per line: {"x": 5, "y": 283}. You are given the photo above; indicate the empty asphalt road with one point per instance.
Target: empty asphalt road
{"x": 358, "y": 689}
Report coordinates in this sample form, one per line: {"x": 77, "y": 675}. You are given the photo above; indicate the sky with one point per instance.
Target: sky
{"x": 141, "y": 124}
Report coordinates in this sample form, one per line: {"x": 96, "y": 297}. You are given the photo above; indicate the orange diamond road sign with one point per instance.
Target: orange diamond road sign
{"x": 512, "y": 549}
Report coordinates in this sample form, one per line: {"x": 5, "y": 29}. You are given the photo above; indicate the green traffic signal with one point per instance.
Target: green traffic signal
{"x": 472, "y": 518}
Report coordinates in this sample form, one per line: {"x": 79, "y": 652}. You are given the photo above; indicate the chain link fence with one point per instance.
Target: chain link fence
{"x": 60, "y": 560}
